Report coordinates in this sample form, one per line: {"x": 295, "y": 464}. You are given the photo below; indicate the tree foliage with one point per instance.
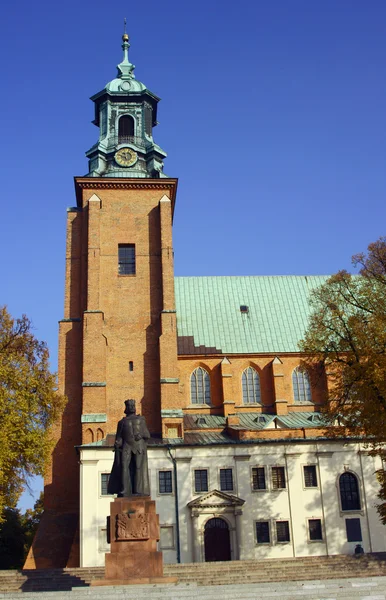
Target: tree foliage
{"x": 29, "y": 404}
{"x": 347, "y": 335}
{"x": 16, "y": 534}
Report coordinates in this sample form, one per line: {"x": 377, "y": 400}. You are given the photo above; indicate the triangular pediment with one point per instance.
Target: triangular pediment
{"x": 217, "y": 499}
{"x": 276, "y": 423}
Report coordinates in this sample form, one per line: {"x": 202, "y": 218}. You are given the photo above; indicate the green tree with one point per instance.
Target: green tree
{"x": 30, "y": 521}
{"x": 12, "y": 540}
{"x": 29, "y": 404}
{"x": 347, "y": 335}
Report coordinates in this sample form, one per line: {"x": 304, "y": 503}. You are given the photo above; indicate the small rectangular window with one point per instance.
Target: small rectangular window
{"x": 353, "y": 529}
{"x": 104, "y": 483}
{"x": 262, "y": 532}
{"x": 278, "y": 478}
{"x": 258, "y": 478}
{"x": 315, "y": 530}
{"x": 310, "y": 478}
{"x": 226, "y": 480}
{"x": 165, "y": 485}
{"x": 126, "y": 259}
{"x": 200, "y": 480}
{"x": 282, "y": 531}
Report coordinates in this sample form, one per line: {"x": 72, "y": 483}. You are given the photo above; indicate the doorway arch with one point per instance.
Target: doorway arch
{"x": 217, "y": 540}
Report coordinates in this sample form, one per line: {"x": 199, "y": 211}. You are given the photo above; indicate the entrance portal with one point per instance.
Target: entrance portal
{"x": 216, "y": 540}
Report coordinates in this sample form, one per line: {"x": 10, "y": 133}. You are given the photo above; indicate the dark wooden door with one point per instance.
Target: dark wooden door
{"x": 216, "y": 540}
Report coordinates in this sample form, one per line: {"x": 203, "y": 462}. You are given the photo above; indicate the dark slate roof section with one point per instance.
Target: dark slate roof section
{"x": 254, "y": 421}
{"x": 210, "y": 321}
{"x": 202, "y": 421}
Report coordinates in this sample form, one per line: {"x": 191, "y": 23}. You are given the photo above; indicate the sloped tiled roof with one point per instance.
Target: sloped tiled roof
{"x": 209, "y": 319}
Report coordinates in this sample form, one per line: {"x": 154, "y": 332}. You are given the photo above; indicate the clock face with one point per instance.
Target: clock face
{"x": 126, "y": 157}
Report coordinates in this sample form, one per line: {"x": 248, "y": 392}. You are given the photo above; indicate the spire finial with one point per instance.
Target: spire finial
{"x": 125, "y": 37}
{"x": 125, "y": 68}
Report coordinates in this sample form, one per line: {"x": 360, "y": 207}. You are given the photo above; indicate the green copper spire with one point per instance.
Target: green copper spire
{"x": 125, "y": 68}
{"x": 126, "y": 114}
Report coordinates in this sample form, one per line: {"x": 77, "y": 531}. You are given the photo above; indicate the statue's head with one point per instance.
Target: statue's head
{"x": 130, "y": 407}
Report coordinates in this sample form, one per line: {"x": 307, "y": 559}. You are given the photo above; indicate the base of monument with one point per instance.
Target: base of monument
{"x": 134, "y": 581}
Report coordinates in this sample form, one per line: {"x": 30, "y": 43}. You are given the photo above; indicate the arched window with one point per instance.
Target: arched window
{"x": 250, "y": 381}
{"x": 88, "y": 436}
{"x": 349, "y": 492}
{"x": 125, "y": 128}
{"x": 200, "y": 387}
{"x": 301, "y": 385}
{"x": 99, "y": 434}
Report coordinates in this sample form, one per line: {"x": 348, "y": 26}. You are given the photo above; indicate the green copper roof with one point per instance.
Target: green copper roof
{"x": 209, "y": 318}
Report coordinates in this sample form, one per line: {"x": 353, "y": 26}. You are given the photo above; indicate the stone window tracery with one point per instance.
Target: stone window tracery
{"x": 301, "y": 385}
{"x": 250, "y": 381}
{"x": 200, "y": 387}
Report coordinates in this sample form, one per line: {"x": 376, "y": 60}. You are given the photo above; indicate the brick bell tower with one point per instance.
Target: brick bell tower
{"x": 118, "y": 337}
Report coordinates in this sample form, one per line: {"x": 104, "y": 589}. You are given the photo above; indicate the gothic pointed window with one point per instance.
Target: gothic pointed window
{"x": 200, "y": 386}
{"x": 301, "y": 385}
{"x": 349, "y": 492}
{"x": 125, "y": 129}
{"x": 250, "y": 381}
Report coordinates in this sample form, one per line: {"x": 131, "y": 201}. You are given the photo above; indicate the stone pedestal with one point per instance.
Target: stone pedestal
{"x": 134, "y": 532}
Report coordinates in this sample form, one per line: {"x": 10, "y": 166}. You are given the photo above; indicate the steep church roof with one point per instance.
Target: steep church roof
{"x": 243, "y": 315}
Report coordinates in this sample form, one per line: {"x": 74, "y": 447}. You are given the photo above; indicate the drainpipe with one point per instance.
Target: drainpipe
{"x": 322, "y": 498}
{"x": 364, "y": 497}
{"x": 174, "y": 461}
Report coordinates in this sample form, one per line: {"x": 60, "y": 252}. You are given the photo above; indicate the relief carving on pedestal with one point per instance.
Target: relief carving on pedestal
{"x": 132, "y": 527}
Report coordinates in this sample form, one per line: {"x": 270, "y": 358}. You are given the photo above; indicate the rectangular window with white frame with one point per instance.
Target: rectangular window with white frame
{"x": 315, "y": 531}
{"x": 226, "y": 480}
{"x": 310, "y": 476}
{"x": 201, "y": 480}
{"x": 258, "y": 479}
{"x": 278, "y": 478}
{"x": 282, "y": 532}
{"x": 165, "y": 482}
{"x": 263, "y": 534}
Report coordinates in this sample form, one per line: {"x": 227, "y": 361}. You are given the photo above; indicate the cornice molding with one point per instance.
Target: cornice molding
{"x": 117, "y": 183}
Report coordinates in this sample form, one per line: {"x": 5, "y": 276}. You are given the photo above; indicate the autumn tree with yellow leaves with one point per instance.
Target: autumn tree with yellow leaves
{"x": 29, "y": 403}
{"x": 347, "y": 336}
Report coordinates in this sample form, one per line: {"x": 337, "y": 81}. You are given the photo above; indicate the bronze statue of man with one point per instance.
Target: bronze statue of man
{"x": 129, "y": 475}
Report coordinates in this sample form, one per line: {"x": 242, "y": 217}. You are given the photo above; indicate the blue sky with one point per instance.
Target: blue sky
{"x": 272, "y": 114}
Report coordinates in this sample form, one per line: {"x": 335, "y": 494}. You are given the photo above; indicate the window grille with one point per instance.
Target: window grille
{"x": 200, "y": 386}
{"x": 282, "y": 531}
{"x": 104, "y": 483}
{"x": 262, "y": 532}
{"x": 165, "y": 482}
{"x": 226, "y": 480}
{"x": 353, "y": 530}
{"x": 251, "y": 386}
{"x": 258, "y": 478}
{"x": 126, "y": 259}
{"x": 125, "y": 128}
{"x": 349, "y": 492}
{"x": 301, "y": 385}
{"x": 278, "y": 478}
{"x": 315, "y": 529}
{"x": 310, "y": 478}
{"x": 201, "y": 480}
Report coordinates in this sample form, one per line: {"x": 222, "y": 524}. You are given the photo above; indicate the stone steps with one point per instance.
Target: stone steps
{"x": 252, "y": 572}
{"x": 338, "y": 589}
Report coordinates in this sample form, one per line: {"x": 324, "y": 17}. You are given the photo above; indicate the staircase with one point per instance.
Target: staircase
{"x": 298, "y": 574}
